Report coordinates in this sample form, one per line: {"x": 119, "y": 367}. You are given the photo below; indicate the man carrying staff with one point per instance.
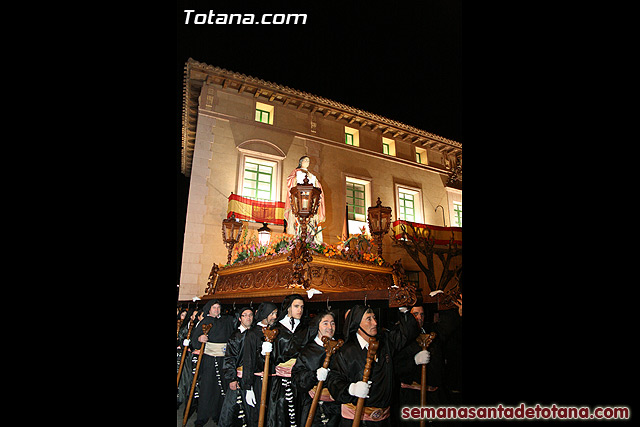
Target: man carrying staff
{"x": 344, "y": 380}
{"x": 308, "y": 371}
{"x": 292, "y": 337}
{"x": 408, "y": 368}
{"x": 233, "y": 412}
{"x": 210, "y": 376}
{"x": 253, "y": 360}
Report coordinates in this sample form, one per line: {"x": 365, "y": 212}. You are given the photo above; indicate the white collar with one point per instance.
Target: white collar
{"x": 319, "y": 341}
{"x": 261, "y": 324}
{"x": 286, "y": 321}
{"x": 242, "y": 328}
{"x": 363, "y": 343}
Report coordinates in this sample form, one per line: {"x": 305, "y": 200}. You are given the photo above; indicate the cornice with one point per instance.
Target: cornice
{"x": 198, "y": 73}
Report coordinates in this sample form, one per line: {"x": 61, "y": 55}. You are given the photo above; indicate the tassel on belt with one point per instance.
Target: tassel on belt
{"x": 369, "y": 413}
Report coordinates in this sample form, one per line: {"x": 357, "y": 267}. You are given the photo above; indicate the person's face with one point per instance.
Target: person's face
{"x": 418, "y": 313}
{"x": 214, "y": 310}
{"x": 305, "y": 163}
{"x": 295, "y": 309}
{"x": 183, "y": 315}
{"x": 271, "y": 318}
{"x": 246, "y": 318}
{"x": 369, "y": 324}
{"x": 327, "y": 327}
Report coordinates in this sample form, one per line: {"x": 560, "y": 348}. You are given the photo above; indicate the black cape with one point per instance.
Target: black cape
{"x": 347, "y": 365}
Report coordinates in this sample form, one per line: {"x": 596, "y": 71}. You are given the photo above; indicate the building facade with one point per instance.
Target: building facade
{"x": 243, "y": 135}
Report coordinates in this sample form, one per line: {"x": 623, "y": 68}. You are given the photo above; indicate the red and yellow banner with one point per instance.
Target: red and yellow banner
{"x": 442, "y": 235}
{"x": 254, "y": 210}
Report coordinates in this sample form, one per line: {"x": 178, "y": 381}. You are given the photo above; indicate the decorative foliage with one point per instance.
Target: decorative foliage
{"x": 358, "y": 248}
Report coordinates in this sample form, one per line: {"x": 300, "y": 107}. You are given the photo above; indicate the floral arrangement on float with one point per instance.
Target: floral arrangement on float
{"x": 357, "y": 248}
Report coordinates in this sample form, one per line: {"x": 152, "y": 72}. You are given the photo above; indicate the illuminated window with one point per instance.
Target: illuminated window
{"x": 406, "y": 208}
{"x": 351, "y": 136}
{"x": 421, "y": 156}
{"x": 457, "y": 214}
{"x": 388, "y": 146}
{"x": 259, "y": 179}
{"x": 409, "y": 203}
{"x": 355, "y": 201}
{"x": 358, "y": 197}
{"x": 264, "y": 113}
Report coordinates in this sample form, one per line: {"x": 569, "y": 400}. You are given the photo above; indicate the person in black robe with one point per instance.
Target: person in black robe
{"x": 409, "y": 371}
{"x": 308, "y": 371}
{"x": 233, "y": 412}
{"x": 292, "y": 337}
{"x": 210, "y": 377}
{"x": 253, "y": 360}
{"x": 186, "y": 376}
{"x": 344, "y": 380}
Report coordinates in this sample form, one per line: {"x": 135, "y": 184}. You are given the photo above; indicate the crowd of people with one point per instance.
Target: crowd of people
{"x": 229, "y": 382}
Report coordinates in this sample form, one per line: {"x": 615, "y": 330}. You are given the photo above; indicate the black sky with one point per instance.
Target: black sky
{"x": 399, "y": 61}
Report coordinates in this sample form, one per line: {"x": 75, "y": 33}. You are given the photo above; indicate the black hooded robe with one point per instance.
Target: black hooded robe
{"x": 253, "y": 362}
{"x": 283, "y": 399}
{"x": 347, "y": 365}
{"x": 304, "y": 379}
{"x": 407, "y": 372}
{"x": 233, "y": 412}
{"x": 210, "y": 377}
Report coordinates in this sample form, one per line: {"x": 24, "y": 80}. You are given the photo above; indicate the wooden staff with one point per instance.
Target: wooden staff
{"x": 330, "y": 347}
{"x": 205, "y": 331}
{"x": 269, "y": 336}
{"x": 184, "y": 352}
{"x": 424, "y": 340}
{"x": 179, "y": 324}
{"x": 371, "y": 355}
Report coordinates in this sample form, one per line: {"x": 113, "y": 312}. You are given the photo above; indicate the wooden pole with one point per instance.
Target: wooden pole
{"x": 330, "y": 347}
{"x": 424, "y": 340}
{"x": 184, "y": 353}
{"x": 371, "y": 355}
{"x": 205, "y": 331}
{"x": 269, "y": 336}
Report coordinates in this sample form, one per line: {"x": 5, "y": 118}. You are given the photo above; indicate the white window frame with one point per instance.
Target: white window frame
{"x": 264, "y": 159}
{"x": 417, "y": 202}
{"x": 355, "y": 225}
{"x": 423, "y": 156}
{"x": 356, "y": 136}
{"x": 392, "y": 146}
{"x": 453, "y": 195}
{"x": 265, "y": 107}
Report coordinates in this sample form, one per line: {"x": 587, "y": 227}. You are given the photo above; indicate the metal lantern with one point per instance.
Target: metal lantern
{"x": 231, "y": 230}
{"x": 379, "y": 218}
{"x": 305, "y": 199}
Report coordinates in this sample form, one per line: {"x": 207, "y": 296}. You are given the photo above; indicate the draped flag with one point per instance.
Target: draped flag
{"x": 255, "y": 210}
{"x": 442, "y": 235}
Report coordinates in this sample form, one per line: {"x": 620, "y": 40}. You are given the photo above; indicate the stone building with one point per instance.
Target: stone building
{"x": 234, "y": 124}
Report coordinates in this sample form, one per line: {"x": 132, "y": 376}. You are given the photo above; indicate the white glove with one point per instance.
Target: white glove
{"x": 266, "y": 348}
{"x": 250, "y": 398}
{"x": 186, "y": 342}
{"x": 321, "y": 373}
{"x": 359, "y": 389}
{"x": 422, "y": 357}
